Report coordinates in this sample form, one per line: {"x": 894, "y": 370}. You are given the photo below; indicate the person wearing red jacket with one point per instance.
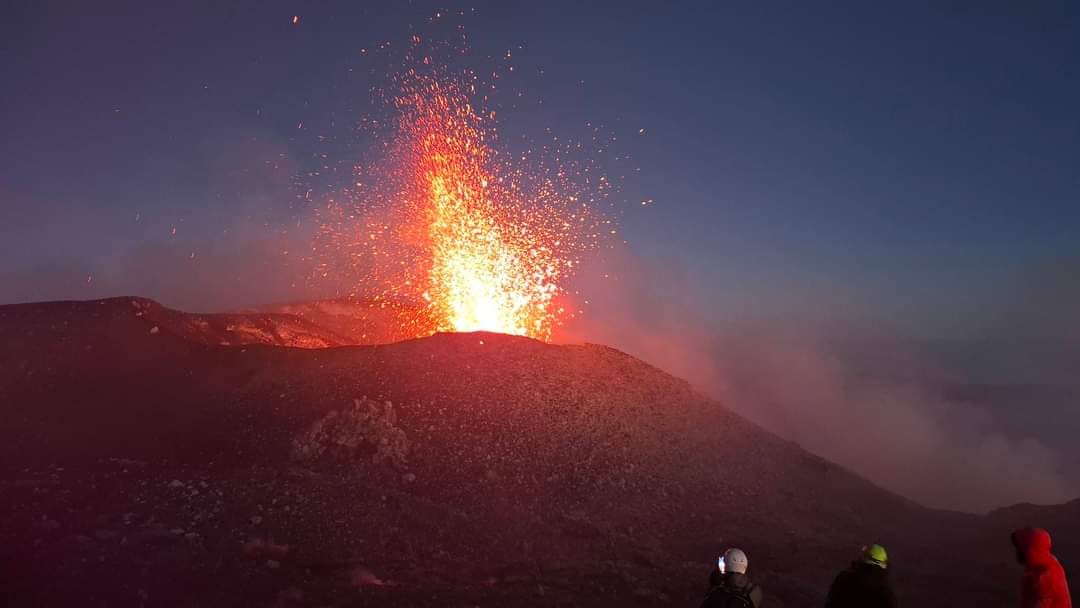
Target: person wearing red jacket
{"x": 1044, "y": 579}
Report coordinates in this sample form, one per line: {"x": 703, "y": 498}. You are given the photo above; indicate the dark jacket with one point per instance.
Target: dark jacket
{"x": 1044, "y": 584}
{"x": 734, "y": 581}
{"x": 862, "y": 586}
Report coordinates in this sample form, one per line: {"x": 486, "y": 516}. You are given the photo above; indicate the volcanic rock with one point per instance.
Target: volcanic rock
{"x": 365, "y": 427}
{"x": 574, "y": 469}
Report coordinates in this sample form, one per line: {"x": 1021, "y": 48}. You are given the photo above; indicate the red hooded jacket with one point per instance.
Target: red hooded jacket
{"x": 1044, "y": 578}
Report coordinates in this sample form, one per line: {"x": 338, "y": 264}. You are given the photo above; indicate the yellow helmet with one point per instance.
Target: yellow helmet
{"x": 875, "y": 555}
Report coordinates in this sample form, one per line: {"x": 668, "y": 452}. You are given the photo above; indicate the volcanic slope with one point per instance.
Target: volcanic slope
{"x": 143, "y": 467}
{"x": 277, "y": 328}
{"x": 361, "y": 321}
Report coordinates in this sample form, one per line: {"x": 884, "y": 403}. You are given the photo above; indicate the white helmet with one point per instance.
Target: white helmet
{"x": 735, "y": 561}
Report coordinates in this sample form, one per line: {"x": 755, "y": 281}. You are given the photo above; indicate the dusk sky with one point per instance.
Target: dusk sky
{"x": 916, "y": 164}
{"x": 909, "y": 173}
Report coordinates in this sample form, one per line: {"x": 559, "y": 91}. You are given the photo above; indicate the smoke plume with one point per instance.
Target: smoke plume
{"x": 868, "y": 398}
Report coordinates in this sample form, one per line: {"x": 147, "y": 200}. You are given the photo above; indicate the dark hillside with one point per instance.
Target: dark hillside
{"x": 147, "y": 467}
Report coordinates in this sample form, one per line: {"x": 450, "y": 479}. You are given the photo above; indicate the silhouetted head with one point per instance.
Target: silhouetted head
{"x": 875, "y": 555}
{"x": 735, "y": 561}
{"x": 1031, "y": 544}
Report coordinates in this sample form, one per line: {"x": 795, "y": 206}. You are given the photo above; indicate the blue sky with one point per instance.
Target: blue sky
{"x": 913, "y": 162}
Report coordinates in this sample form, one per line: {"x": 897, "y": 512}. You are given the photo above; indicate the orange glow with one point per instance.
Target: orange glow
{"x": 445, "y": 227}
{"x": 488, "y": 271}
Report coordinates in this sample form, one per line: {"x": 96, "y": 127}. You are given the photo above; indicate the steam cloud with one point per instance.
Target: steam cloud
{"x": 204, "y": 276}
{"x": 871, "y": 401}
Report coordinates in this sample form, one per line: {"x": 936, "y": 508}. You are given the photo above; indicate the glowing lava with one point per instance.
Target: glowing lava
{"x": 478, "y": 240}
{"x": 488, "y": 271}
{"x": 479, "y": 280}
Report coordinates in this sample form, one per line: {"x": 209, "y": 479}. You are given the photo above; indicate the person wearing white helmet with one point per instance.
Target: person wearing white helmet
{"x": 729, "y": 586}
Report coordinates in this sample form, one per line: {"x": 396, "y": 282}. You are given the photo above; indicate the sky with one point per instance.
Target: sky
{"x": 915, "y": 159}
{"x": 912, "y": 168}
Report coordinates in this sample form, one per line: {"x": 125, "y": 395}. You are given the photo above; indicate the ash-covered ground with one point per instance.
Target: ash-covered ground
{"x": 153, "y": 458}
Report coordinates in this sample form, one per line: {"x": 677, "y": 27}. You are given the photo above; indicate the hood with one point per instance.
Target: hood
{"x": 871, "y": 569}
{"x": 1032, "y": 543}
{"x": 737, "y": 579}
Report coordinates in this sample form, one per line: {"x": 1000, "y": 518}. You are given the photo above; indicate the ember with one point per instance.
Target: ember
{"x": 472, "y": 238}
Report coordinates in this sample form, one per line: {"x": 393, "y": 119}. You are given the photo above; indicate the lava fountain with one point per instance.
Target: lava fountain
{"x": 488, "y": 270}
{"x": 480, "y": 240}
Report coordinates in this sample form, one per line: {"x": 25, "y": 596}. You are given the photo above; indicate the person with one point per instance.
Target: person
{"x": 729, "y": 586}
{"x": 1044, "y": 584}
{"x": 865, "y": 584}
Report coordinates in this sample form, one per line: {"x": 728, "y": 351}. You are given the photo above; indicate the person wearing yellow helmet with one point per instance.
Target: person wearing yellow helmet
{"x": 865, "y": 584}
{"x": 875, "y": 555}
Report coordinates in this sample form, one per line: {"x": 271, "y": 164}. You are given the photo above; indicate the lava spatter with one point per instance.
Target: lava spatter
{"x": 468, "y": 239}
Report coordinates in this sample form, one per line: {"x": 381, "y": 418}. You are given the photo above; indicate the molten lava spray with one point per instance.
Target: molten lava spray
{"x": 455, "y": 236}
{"x": 489, "y": 270}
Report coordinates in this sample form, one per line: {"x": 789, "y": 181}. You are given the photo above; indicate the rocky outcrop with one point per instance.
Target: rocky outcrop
{"x": 364, "y": 430}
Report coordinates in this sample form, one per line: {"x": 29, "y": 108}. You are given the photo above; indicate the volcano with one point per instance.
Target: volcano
{"x": 150, "y": 457}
